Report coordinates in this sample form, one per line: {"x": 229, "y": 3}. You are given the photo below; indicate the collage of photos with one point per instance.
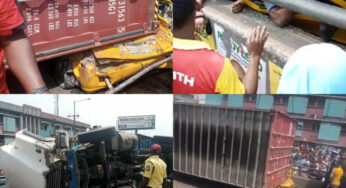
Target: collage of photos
{"x": 86, "y": 141}
{"x": 259, "y": 141}
{"x": 172, "y": 94}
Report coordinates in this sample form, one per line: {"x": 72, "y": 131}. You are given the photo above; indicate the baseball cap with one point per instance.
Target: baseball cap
{"x": 155, "y": 148}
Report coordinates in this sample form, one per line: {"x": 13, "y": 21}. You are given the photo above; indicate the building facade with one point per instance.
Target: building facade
{"x": 14, "y": 118}
{"x": 321, "y": 118}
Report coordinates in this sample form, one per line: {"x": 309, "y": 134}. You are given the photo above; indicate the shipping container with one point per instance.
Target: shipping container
{"x": 61, "y": 27}
{"x": 245, "y": 148}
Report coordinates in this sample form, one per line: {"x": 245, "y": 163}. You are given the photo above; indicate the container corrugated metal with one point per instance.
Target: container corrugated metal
{"x": 60, "y": 27}
{"x": 246, "y": 148}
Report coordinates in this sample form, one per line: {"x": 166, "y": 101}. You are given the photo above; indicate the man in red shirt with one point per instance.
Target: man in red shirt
{"x": 17, "y": 49}
{"x": 198, "y": 69}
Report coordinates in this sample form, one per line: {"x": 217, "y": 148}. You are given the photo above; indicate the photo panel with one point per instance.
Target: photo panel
{"x": 86, "y": 141}
{"x": 259, "y": 141}
{"x": 86, "y": 46}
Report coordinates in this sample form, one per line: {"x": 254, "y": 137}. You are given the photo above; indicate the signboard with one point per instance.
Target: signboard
{"x": 275, "y": 73}
{"x": 136, "y": 122}
{"x": 237, "y": 52}
{"x": 220, "y": 46}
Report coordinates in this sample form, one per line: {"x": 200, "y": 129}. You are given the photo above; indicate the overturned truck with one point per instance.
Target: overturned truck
{"x": 103, "y": 158}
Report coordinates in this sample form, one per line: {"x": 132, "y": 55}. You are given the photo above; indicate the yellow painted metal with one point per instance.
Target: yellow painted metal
{"x": 255, "y": 6}
{"x": 92, "y": 78}
{"x": 121, "y": 60}
{"x": 288, "y": 183}
{"x": 341, "y": 3}
{"x": 313, "y": 26}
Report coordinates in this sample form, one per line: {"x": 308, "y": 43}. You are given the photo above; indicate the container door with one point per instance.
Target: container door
{"x": 280, "y": 149}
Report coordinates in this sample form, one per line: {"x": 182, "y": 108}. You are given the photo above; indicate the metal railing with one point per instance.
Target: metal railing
{"x": 329, "y": 14}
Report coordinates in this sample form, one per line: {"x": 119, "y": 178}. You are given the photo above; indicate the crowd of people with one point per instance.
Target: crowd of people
{"x": 322, "y": 162}
{"x": 306, "y": 71}
{"x": 316, "y": 157}
{"x": 319, "y": 161}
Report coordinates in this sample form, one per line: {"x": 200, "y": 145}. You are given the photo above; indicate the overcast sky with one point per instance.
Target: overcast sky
{"x": 104, "y": 109}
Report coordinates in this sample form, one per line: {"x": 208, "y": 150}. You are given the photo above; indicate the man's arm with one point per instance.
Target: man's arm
{"x": 164, "y": 176}
{"x": 200, "y": 2}
{"x": 199, "y": 22}
{"x": 148, "y": 171}
{"x": 144, "y": 183}
{"x": 238, "y": 6}
{"x": 21, "y": 60}
{"x": 255, "y": 44}
{"x": 164, "y": 183}
{"x": 281, "y": 17}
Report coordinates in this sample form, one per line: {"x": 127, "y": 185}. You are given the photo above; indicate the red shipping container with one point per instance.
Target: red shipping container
{"x": 279, "y": 155}
{"x": 60, "y": 27}
{"x": 245, "y": 148}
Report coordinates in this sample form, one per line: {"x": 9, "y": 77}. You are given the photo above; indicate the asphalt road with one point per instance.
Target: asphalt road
{"x": 184, "y": 181}
{"x": 303, "y": 182}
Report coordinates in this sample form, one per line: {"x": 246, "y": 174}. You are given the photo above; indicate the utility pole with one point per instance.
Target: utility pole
{"x": 56, "y": 104}
{"x": 75, "y": 115}
{"x": 74, "y": 118}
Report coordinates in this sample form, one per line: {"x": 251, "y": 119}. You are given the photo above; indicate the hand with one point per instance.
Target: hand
{"x": 238, "y": 6}
{"x": 199, "y": 4}
{"x": 255, "y": 42}
{"x": 199, "y": 24}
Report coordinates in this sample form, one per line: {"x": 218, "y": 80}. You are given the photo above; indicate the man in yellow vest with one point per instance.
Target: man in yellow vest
{"x": 336, "y": 176}
{"x": 154, "y": 170}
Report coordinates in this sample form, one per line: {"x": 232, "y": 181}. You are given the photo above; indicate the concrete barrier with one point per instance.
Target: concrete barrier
{"x": 231, "y": 31}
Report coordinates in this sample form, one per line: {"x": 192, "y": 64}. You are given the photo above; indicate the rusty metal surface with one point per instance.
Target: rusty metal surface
{"x": 230, "y": 145}
{"x": 60, "y": 27}
{"x": 280, "y": 150}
